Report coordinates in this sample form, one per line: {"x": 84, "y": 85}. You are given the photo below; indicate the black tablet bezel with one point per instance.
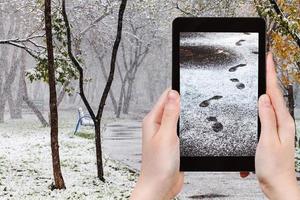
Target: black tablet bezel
{"x": 186, "y": 24}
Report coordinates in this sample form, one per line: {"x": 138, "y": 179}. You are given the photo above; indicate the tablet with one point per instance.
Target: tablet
{"x": 219, "y": 70}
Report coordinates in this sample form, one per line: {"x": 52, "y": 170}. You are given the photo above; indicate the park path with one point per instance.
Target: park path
{"x": 122, "y": 141}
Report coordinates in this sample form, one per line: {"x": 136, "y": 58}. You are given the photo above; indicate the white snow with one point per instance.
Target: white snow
{"x": 236, "y": 110}
{"x": 26, "y": 169}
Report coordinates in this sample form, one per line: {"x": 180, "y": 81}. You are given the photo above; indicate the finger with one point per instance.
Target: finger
{"x": 267, "y": 117}
{"x": 244, "y": 174}
{"x": 171, "y": 114}
{"x": 152, "y": 121}
{"x": 285, "y": 122}
{"x": 275, "y": 93}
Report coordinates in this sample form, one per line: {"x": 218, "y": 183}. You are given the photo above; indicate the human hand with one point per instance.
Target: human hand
{"x": 160, "y": 177}
{"x": 274, "y": 160}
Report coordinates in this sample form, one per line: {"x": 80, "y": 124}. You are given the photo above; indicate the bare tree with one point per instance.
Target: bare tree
{"x": 4, "y": 82}
{"x": 58, "y": 178}
{"x": 96, "y": 117}
{"x": 100, "y": 57}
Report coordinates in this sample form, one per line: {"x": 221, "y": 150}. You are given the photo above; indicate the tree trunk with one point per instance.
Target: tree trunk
{"x": 11, "y": 104}
{"x": 99, "y": 150}
{"x": 58, "y": 178}
{"x": 31, "y": 105}
{"x": 36, "y": 111}
{"x": 3, "y": 67}
{"x": 6, "y": 92}
{"x": 62, "y": 93}
{"x": 121, "y": 98}
{"x": 96, "y": 118}
{"x": 111, "y": 94}
{"x": 21, "y": 89}
{"x": 291, "y": 104}
{"x": 291, "y": 100}
{"x": 2, "y": 60}
{"x": 108, "y": 85}
{"x": 128, "y": 96}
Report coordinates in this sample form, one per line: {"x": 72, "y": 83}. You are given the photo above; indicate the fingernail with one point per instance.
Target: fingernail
{"x": 266, "y": 100}
{"x": 172, "y": 96}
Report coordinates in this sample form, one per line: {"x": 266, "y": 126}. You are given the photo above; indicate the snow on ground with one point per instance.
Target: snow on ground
{"x": 26, "y": 170}
{"x": 26, "y": 173}
{"x": 226, "y": 124}
{"x": 125, "y": 135}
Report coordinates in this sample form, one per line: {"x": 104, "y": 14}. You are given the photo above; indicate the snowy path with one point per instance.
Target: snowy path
{"x": 125, "y": 138}
{"x": 219, "y": 97}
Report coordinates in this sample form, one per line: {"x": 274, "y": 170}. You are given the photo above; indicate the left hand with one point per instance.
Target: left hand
{"x": 160, "y": 177}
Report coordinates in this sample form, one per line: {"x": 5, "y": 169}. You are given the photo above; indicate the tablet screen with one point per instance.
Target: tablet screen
{"x": 219, "y": 93}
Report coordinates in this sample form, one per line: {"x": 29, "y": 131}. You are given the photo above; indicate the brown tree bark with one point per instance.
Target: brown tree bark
{"x": 58, "y": 178}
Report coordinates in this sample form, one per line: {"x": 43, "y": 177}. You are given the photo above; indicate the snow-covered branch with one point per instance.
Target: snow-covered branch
{"x": 21, "y": 43}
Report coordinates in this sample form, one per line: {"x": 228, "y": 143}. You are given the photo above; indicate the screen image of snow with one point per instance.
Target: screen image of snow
{"x": 219, "y": 94}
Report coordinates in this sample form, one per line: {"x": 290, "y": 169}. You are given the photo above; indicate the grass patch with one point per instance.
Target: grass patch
{"x": 86, "y": 135}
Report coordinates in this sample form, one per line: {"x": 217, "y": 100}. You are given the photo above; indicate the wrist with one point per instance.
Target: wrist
{"x": 281, "y": 190}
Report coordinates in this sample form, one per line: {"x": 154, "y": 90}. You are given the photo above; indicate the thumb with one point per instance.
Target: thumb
{"x": 267, "y": 117}
{"x": 171, "y": 113}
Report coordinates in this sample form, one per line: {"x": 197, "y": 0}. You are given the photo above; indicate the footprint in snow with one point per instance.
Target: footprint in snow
{"x": 217, "y": 126}
{"x": 239, "y": 85}
{"x": 206, "y": 103}
{"x": 211, "y": 119}
{"x": 233, "y": 69}
{"x": 235, "y": 80}
{"x": 239, "y": 43}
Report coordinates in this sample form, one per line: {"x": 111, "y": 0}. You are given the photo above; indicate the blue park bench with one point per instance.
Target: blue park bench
{"x": 83, "y": 120}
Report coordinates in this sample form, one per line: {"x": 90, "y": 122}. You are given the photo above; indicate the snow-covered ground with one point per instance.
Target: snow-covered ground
{"x": 125, "y": 136}
{"x": 25, "y": 164}
{"x": 26, "y": 173}
{"x": 219, "y": 94}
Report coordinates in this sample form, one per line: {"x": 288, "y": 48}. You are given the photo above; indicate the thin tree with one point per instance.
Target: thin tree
{"x": 96, "y": 117}
{"x": 58, "y": 179}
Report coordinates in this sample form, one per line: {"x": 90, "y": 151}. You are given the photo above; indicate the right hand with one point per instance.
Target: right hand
{"x": 274, "y": 160}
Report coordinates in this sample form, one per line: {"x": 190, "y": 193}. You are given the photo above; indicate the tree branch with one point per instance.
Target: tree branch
{"x": 76, "y": 62}
{"x": 27, "y": 49}
{"x": 113, "y": 59}
{"x": 100, "y": 18}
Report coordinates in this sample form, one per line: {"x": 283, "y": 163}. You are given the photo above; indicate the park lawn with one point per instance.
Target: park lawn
{"x": 26, "y": 169}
